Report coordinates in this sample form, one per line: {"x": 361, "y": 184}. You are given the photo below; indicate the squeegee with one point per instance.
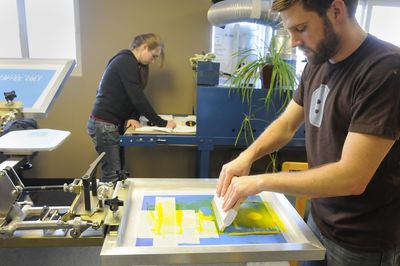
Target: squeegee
{"x": 224, "y": 218}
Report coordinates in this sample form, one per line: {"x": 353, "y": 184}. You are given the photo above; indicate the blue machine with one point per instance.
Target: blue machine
{"x": 220, "y": 112}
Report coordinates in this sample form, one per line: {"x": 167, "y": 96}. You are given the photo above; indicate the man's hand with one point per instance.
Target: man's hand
{"x": 171, "y": 124}
{"x": 242, "y": 187}
{"x": 133, "y": 123}
{"x": 238, "y": 167}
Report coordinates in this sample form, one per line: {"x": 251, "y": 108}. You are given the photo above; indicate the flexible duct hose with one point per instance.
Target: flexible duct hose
{"x": 233, "y": 11}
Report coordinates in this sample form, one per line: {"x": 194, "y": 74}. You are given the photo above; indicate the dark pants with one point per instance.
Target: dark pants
{"x": 339, "y": 256}
{"x": 105, "y": 136}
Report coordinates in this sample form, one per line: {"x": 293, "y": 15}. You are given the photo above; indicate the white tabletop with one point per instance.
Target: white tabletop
{"x": 32, "y": 140}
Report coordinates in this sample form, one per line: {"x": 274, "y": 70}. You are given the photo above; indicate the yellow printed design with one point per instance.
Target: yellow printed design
{"x": 255, "y": 218}
{"x": 168, "y": 225}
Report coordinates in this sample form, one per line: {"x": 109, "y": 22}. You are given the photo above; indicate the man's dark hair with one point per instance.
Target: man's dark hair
{"x": 318, "y": 6}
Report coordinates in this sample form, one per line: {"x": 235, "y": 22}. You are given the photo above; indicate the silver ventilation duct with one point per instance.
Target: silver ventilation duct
{"x": 233, "y": 11}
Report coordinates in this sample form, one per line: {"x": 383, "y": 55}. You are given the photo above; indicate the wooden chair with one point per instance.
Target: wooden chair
{"x": 300, "y": 202}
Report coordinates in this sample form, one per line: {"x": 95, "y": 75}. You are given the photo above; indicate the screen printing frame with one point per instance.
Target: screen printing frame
{"x": 119, "y": 249}
{"x": 62, "y": 69}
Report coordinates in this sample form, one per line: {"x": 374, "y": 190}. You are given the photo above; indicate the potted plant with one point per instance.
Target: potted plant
{"x": 203, "y": 57}
{"x": 278, "y": 78}
{"x": 276, "y": 74}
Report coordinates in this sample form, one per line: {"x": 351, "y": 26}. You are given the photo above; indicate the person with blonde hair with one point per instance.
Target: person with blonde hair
{"x": 349, "y": 101}
{"x": 120, "y": 100}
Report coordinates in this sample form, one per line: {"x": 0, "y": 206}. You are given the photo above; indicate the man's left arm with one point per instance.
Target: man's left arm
{"x": 361, "y": 156}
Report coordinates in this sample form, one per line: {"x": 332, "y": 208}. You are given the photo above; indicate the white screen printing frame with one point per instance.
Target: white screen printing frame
{"x": 120, "y": 249}
{"x": 62, "y": 69}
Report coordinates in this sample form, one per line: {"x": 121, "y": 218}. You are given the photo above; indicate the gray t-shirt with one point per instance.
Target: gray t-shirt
{"x": 359, "y": 94}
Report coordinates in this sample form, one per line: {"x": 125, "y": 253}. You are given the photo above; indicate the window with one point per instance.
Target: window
{"x": 40, "y": 29}
{"x": 236, "y": 37}
{"x": 378, "y": 17}
{"x": 10, "y": 45}
{"x": 247, "y": 36}
{"x": 382, "y": 20}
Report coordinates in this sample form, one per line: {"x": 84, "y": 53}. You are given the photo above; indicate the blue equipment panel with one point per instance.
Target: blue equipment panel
{"x": 220, "y": 113}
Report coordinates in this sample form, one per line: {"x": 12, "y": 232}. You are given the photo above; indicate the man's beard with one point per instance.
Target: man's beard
{"x": 326, "y": 48}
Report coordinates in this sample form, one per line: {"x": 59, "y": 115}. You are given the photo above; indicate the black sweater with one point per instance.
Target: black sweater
{"x": 120, "y": 95}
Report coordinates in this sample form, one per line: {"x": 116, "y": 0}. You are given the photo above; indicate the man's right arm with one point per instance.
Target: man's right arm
{"x": 274, "y": 137}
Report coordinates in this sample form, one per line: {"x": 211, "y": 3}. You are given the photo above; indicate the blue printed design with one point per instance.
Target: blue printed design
{"x": 28, "y": 84}
{"x": 203, "y": 203}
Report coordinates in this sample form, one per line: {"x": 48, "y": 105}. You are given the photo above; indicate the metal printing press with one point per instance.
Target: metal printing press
{"x": 18, "y": 214}
{"x": 136, "y": 221}
{"x": 36, "y": 84}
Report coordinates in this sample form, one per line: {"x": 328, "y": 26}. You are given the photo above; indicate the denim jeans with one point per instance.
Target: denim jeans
{"x": 339, "y": 256}
{"x": 105, "y": 136}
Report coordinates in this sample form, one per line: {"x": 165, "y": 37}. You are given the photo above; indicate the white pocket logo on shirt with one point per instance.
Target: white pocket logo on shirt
{"x": 318, "y": 100}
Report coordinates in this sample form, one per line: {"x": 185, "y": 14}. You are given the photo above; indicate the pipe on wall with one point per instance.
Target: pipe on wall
{"x": 253, "y": 11}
